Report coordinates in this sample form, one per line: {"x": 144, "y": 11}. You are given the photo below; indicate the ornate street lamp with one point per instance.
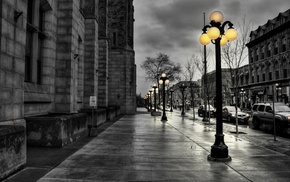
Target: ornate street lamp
{"x": 182, "y": 88}
{"x": 154, "y": 87}
{"x": 163, "y": 81}
{"x": 242, "y": 92}
{"x": 217, "y": 35}
{"x": 171, "y": 91}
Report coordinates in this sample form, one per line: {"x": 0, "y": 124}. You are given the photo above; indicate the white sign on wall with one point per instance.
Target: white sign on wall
{"x": 93, "y": 101}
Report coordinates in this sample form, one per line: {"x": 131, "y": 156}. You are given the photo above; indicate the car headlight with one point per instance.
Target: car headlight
{"x": 288, "y": 117}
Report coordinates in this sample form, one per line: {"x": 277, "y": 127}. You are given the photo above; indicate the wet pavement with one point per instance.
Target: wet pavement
{"x": 142, "y": 148}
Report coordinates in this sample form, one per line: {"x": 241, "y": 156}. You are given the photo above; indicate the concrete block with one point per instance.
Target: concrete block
{"x": 55, "y": 130}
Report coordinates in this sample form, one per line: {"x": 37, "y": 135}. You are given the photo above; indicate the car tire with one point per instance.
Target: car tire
{"x": 256, "y": 123}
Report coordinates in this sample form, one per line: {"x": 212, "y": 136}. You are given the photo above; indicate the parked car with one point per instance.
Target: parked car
{"x": 229, "y": 113}
{"x": 210, "y": 110}
{"x": 262, "y": 114}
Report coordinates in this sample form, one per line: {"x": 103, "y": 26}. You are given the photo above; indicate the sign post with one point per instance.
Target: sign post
{"x": 93, "y": 104}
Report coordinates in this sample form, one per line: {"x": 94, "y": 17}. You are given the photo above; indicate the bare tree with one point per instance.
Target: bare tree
{"x": 154, "y": 67}
{"x": 234, "y": 54}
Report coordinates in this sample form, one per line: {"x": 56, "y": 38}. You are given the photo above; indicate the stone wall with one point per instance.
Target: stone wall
{"x": 122, "y": 71}
{"x": 12, "y": 61}
{"x": 12, "y": 149}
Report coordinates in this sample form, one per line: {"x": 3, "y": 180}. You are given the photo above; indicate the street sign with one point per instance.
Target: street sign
{"x": 93, "y": 101}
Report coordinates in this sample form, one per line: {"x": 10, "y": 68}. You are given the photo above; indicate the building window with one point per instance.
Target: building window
{"x": 253, "y": 79}
{"x": 257, "y": 54}
{"x": 258, "y": 78}
{"x": 270, "y": 75}
{"x": 269, "y": 50}
{"x": 284, "y": 44}
{"x": 262, "y": 53}
{"x": 34, "y": 39}
{"x": 264, "y": 77}
{"x": 285, "y": 73}
{"x": 277, "y": 74}
{"x": 276, "y": 48}
{"x": 252, "y": 57}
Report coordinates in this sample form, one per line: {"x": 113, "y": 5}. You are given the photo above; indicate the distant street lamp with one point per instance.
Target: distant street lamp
{"x": 182, "y": 88}
{"x": 278, "y": 89}
{"x": 217, "y": 35}
{"x": 171, "y": 91}
{"x": 163, "y": 81}
{"x": 192, "y": 86}
{"x": 154, "y": 87}
{"x": 242, "y": 92}
{"x": 150, "y": 99}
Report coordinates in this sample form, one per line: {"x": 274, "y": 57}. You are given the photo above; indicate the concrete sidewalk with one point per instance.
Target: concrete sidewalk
{"x": 142, "y": 148}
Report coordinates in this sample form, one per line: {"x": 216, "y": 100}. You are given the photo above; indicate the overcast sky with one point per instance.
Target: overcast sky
{"x": 173, "y": 27}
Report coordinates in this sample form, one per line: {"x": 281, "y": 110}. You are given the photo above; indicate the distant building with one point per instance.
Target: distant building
{"x": 211, "y": 87}
{"x": 192, "y": 91}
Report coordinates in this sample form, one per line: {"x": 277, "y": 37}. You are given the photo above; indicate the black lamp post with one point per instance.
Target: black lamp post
{"x": 182, "y": 88}
{"x": 163, "y": 81}
{"x": 171, "y": 91}
{"x": 154, "y": 87}
{"x": 217, "y": 34}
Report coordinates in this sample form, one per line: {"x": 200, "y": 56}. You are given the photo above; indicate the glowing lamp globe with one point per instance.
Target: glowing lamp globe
{"x": 224, "y": 40}
{"x": 216, "y": 16}
{"x": 204, "y": 39}
{"x": 231, "y": 34}
{"x": 166, "y": 82}
{"x": 213, "y": 33}
{"x": 163, "y": 75}
{"x": 160, "y": 82}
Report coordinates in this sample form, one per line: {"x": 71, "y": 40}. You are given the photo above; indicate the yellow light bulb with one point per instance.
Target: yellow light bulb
{"x": 204, "y": 39}
{"x": 217, "y": 16}
{"x": 231, "y": 34}
{"x": 213, "y": 33}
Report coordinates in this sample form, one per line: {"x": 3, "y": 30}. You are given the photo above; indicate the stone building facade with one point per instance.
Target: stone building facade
{"x": 55, "y": 54}
{"x": 269, "y": 62}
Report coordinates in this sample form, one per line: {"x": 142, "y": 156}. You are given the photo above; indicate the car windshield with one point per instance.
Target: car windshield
{"x": 232, "y": 109}
{"x": 282, "y": 108}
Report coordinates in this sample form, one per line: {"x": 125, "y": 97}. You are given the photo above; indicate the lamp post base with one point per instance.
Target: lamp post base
{"x": 219, "y": 150}
{"x": 163, "y": 118}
